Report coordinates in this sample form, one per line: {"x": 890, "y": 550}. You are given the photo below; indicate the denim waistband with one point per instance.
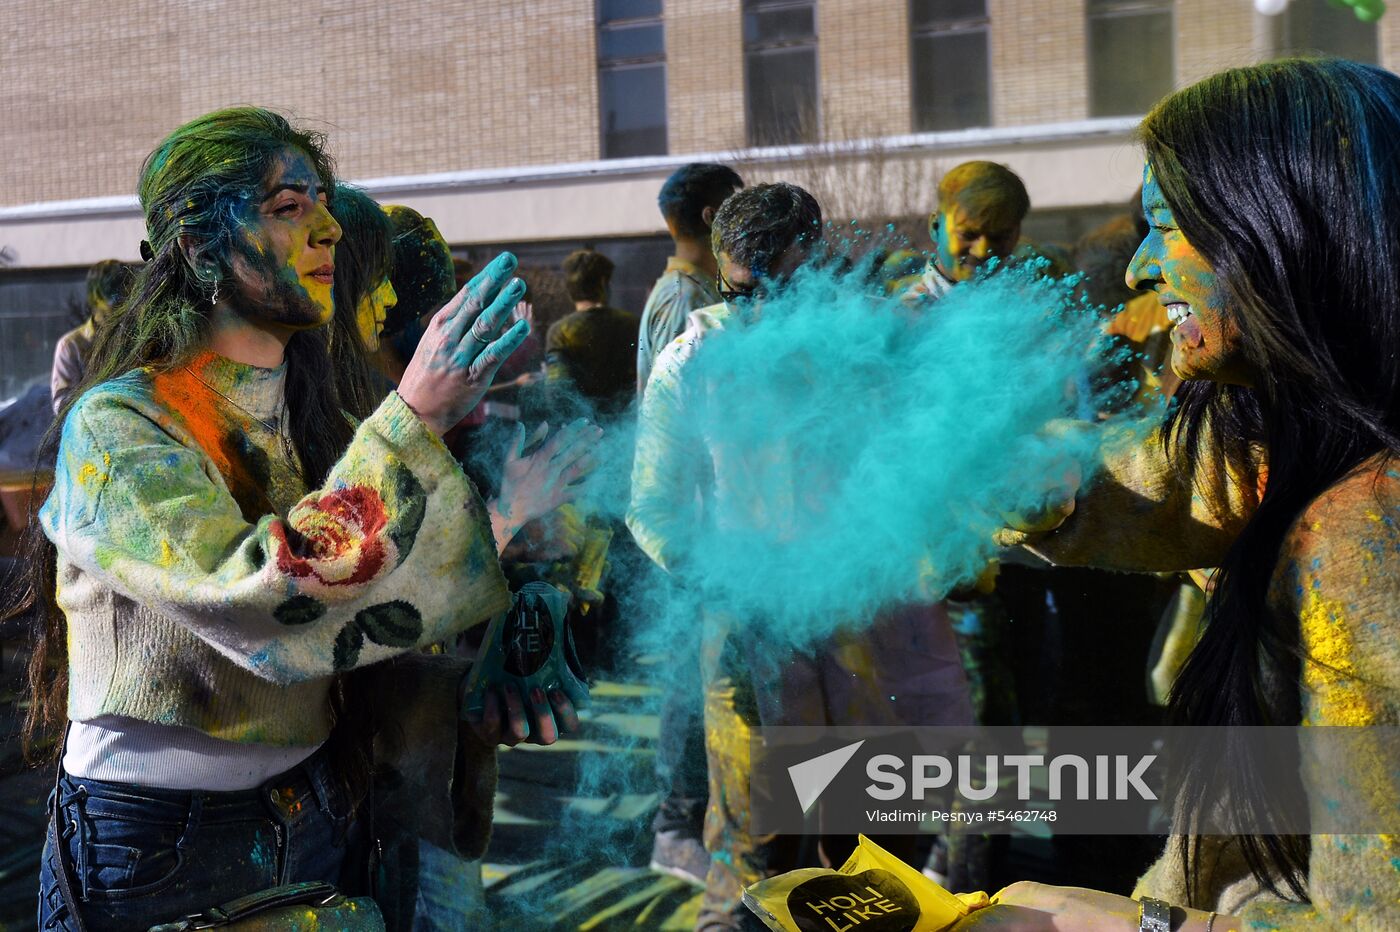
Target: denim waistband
{"x": 284, "y": 795}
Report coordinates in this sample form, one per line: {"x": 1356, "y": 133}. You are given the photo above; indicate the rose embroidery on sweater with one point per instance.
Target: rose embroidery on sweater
{"x": 349, "y": 536}
{"x": 342, "y": 537}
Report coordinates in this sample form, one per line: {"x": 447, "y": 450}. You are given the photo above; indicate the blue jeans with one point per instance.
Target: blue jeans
{"x": 140, "y": 856}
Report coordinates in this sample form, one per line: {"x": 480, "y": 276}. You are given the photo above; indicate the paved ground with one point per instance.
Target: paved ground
{"x": 572, "y": 833}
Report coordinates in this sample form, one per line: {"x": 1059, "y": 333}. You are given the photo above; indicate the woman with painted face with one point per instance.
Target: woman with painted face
{"x": 223, "y": 546}
{"x": 1274, "y": 245}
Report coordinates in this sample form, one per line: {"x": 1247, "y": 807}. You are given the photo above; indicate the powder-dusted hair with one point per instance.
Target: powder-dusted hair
{"x": 108, "y": 283}
{"x": 422, "y": 273}
{"x": 755, "y": 226}
{"x": 986, "y": 190}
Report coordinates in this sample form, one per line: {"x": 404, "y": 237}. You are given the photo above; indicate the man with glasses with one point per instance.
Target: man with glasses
{"x": 760, "y": 236}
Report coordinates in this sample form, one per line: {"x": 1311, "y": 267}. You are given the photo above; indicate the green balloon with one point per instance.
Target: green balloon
{"x": 1368, "y": 11}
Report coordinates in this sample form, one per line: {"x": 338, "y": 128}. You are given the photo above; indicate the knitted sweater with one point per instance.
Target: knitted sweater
{"x": 205, "y": 586}
{"x": 1339, "y": 576}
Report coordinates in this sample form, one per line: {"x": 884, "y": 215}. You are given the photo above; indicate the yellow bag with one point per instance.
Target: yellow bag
{"x": 874, "y": 891}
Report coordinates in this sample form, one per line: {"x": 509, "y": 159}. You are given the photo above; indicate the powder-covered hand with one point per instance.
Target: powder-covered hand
{"x": 464, "y": 346}
{"x": 1038, "y": 907}
{"x": 508, "y": 718}
{"x": 1034, "y": 907}
{"x": 534, "y": 485}
{"x": 1059, "y": 505}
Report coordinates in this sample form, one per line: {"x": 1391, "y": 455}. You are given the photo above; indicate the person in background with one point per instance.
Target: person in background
{"x": 107, "y": 285}
{"x": 590, "y": 356}
{"x": 981, "y": 206}
{"x": 422, "y": 278}
{"x": 688, "y": 201}
{"x": 363, "y": 293}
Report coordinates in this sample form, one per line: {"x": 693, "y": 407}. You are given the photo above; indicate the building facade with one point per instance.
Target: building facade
{"x": 546, "y": 124}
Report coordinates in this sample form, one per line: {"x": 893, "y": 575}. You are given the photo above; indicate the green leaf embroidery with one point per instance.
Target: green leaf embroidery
{"x": 299, "y": 610}
{"x": 409, "y": 508}
{"x": 392, "y": 624}
{"x": 347, "y": 646}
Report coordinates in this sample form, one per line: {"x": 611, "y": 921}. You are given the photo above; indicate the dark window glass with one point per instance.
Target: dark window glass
{"x": 634, "y": 111}
{"x": 644, "y": 41}
{"x": 780, "y": 71}
{"x": 631, "y": 78}
{"x": 951, "y": 85}
{"x": 1130, "y": 56}
{"x": 782, "y": 89}
{"x": 928, "y": 12}
{"x": 610, "y": 10}
{"x": 774, "y": 26}
{"x": 1315, "y": 27}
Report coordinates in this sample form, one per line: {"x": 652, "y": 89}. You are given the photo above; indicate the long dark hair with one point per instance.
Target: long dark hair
{"x": 192, "y": 185}
{"x": 1285, "y": 177}
{"x": 364, "y": 257}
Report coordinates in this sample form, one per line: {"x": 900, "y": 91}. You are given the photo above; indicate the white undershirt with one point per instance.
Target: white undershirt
{"x": 118, "y": 749}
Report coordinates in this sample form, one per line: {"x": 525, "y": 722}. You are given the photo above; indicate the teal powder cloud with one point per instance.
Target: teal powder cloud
{"x": 867, "y": 448}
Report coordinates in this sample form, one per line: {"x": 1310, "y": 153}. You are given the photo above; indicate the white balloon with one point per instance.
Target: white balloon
{"x": 1271, "y": 7}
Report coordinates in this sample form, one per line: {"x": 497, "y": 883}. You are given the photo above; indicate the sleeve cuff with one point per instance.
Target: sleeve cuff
{"x": 404, "y": 431}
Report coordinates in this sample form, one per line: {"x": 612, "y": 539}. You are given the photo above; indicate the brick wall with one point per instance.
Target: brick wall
{"x": 440, "y": 85}
{"x": 432, "y": 85}
{"x": 704, "y": 75}
{"x": 1211, "y": 36}
{"x": 863, "y": 65}
{"x": 1039, "y": 73}
{"x": 1390, "y": 39}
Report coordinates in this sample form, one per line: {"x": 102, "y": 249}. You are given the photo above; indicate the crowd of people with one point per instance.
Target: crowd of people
{"x": 301, "y": 455}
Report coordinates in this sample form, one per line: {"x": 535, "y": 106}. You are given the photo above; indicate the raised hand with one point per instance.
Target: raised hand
{"x": 533, "y": 486}
{"x": 464, "y": 346}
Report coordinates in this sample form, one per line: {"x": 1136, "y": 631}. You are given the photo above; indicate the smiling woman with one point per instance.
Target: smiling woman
{"x": 1275, "y": 246}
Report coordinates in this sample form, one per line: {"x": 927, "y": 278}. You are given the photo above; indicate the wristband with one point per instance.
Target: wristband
{"x": 1154, "y": 915}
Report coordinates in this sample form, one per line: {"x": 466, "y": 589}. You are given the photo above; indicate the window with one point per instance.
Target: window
{"x": 1131, "y": 55}
{"x": 1316, "y": 27}
{"x": 631, "y": 78}
{"x": 780, "y": 65}
{"x": 948, "y": 51}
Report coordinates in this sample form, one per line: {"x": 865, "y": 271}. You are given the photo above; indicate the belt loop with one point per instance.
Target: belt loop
{"x": 78, "y": 823}
{"x": 318, "y": 775}
{"x": 191, "y": 821}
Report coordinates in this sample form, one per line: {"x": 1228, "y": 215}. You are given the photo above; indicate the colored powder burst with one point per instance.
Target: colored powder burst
{"x": 865, "y": 448}
{"x": 864, "y": 451}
